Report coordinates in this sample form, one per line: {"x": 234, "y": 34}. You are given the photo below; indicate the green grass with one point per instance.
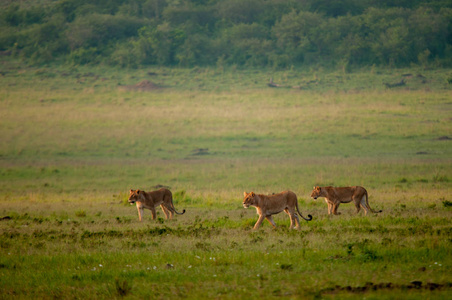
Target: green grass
{"x": 74, "y": 141}
{"x": 212, "y": 252}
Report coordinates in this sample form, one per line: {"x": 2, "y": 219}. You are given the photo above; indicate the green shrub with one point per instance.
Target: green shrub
{"x": 83, "y": 56}
{"x": 125, "y": 57}
{"x": 80, "y": 213}
{"x": 447, "y": 203}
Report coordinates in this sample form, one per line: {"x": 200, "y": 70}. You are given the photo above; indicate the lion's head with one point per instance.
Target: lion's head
{"x": 135, "y": 195}
{"x": 316, "y": 192}
{"x": 249, "y": 199}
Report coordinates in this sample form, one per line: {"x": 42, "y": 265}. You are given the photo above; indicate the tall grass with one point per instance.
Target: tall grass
{"x": 210, "y": 252}
{"x": 229, "y": 127}
{"x": 75, "y": 141}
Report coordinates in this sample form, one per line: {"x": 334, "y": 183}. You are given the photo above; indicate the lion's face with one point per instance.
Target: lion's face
{"x": 248, "y": 199}
{"x": 135, "y": 195}
{"x": 316, "y": 192}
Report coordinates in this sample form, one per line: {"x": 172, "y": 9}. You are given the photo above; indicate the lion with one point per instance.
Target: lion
{"x": 337, "y": 195}
{"x": 151, "y": 200}
{"x": 266, "y": 206}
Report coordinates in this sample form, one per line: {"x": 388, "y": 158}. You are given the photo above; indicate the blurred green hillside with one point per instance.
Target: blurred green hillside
{"x": 244, "y": 33}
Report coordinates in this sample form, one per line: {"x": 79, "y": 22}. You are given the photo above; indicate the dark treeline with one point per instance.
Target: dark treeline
{"x": 257, "y": 33}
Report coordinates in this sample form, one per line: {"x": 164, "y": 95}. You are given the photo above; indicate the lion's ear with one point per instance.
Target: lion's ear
{"x": 244, "y": 194}
{"x": 138, "y": 191}
{"x": 252, "y": 194}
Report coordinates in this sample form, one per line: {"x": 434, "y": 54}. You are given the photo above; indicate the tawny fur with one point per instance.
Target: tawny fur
{"x": 266, "y": 206}
{"x": 337, "y": 195}
{"x": 151, "y": 200}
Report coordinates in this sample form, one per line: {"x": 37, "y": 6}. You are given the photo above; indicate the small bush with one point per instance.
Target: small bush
{"x": 122, "y": 287}
{"x": 287, "y": 267}
{"x": 369, "y": 255}
{"x": 80, "y": 213}
{"x": 125, "y": 57}
{"x": 203, "y": 246}
{"x": 447, "y": 203}
{"x": 440, "y": 178}
{"x": 449, "y": 80}
{"x": 83, "y": 56}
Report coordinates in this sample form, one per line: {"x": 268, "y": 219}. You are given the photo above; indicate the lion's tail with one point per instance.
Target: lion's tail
{"x": 367, "y": 203}
{"x": 309, "y": 216}
{"x": 179, "y": 213}
{"x": 172, "y": 204}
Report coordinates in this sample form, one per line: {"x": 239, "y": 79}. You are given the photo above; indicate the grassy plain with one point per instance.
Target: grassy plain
{"x": 75, "y": 140}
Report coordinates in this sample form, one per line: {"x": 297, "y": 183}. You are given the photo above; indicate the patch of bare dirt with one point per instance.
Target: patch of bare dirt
{"x": 200, "y": 151}
{"x": 444, "y": 138}
{"x": 369, "y": 286}
{"x": 144, "y": 85}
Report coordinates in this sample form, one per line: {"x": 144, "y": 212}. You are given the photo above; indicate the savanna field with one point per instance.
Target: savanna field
{"x": 75, "y": 140}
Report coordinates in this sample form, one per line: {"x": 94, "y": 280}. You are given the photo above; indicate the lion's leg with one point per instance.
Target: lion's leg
{"x": 364, "y": 204}
{"x": 293, "y": 218}
{"x": 295, "y": 221}
{"x": 153, "y": 213}
{"x": 259, "y": 222}
{"x": 168, "y": 205}
{"x": 140, "y": 212}
{"x": 292, "y": 221}
{"x": 330, "y": 206}
{"x": 171, "y": 212}
{"x": 358, "y": 207}
{"x": 166, "y": 211}
{"x": 290, "y": 214}
{"x": 171, "y": 209}
{"x": 270, "y": 219}
{"x": 335, "y": 206}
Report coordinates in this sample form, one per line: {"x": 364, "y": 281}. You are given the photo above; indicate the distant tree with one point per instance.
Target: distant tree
{"x": 199, "y": 15}
{"x": 277, "y": 33}
{"x": 97, "y": 30}
{"x": 197, "y": 49}
{"x": 163, "y": 41}
{"x": 388, "y": 35}
{"x": 43, "y": 42}
{"x": 429, "y": 31}
{"x": 13, "y": 15}
{"x": 83, "y": 56}
{"x": 246, "y": 44}
{"x": 345, "y": 39}
{"x": 272, "y": 10}
{"x": 239, "y": 11}
{"x": 72, "y": 9}
{"x": 297, "y": 34}
{"x": 153, "y": 9}
{"x": 335, "y": 8}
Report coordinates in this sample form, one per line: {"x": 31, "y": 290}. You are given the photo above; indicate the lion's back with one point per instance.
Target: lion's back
{"x": 280, "y": 201}
{"x": 159, "y": 196}
{"x": 345, "y": 193}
